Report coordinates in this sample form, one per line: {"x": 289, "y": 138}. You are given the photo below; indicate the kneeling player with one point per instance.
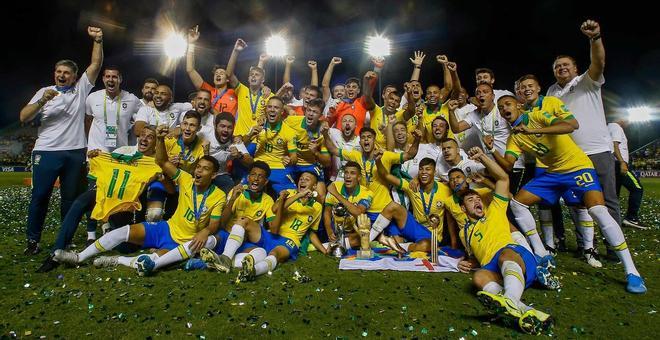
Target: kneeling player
{"x": 506, "y": 267}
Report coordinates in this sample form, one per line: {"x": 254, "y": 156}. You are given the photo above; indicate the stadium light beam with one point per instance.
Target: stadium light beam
{"x": 174, "y": 45}
{"x": 378, "y": 46}
{"x": 639, "y": 114}
{"x": 276, "y": 46}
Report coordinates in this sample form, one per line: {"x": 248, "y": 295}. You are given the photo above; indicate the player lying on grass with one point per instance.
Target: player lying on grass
{"x": 299, "y": 212}
{"x": 506, "y": 267}
{"x": 197, "y": 216}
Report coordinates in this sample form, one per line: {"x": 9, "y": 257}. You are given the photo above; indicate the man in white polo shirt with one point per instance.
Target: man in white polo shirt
{"x": 164, "y": 111}
{"x": 109, "y": 113}
{"x": 60, "y": 148}
{"x": 582, "y": 95}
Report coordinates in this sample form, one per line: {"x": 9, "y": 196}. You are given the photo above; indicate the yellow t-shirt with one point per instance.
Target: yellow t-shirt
{"x": 428, "y": 204}
{"x": 370, "y": 177}
{"x": 189, "y": 156}
{"x": 487, "y": 235}
{"x": 377, "y": 118}
{"x": 558, "y": 152}
{"x": 360, "y": 196}
{"x": 429, "y": 116}
{"x": 299, "y": 217}
{"x": 257, "y": 210}
{"x": 303, "y": 136}
{"x": 453, "y": 205}
{"x": 119, "y": 183}
{"x": 185, "y": 222}
{"x": 246, "y": 117}
{"x": 273, "y": 143}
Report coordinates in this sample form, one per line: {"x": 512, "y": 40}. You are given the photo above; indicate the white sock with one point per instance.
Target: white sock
{"x": 91, "y": 235}
{"x": 514, "y": 282}
{"x": 259, "y": 254}
{"x": 405, "y": 245}
{"x": 268, "y": 264}
{"x": 614, "y": 236}
{"x": 182, "y": 252}
{"x": 105, "y": 243}
{"x": 527, "y": 224}
{"x": 129, "y": 261}
{"x": 520, "y": 239}
{"x": 234, "y": 240}
{"x": 379, "y": 225}
{"x": 545, "y": 219}
{"x": 585, "y": 227}
{"x": 492, "y": 287}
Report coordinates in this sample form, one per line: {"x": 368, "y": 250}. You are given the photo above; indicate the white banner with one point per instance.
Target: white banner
{"x": 445, "y": 264}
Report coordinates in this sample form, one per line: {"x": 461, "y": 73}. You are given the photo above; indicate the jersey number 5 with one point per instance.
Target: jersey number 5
{"x": 540, "y": 149}
{"x": 113, "y": 184}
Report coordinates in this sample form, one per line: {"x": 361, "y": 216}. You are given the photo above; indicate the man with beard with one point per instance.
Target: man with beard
{"x": 109, "y": 113}
{"x": 164, "y": 111}
{"x": 354, "y": 105}
{"x": 60, "y": 148}
{"x": 223, "y": 148}
{"x": 432, "y": 150}
{"x": 389, "y": 113}
{"x": 345, "y": 139}
{"x": 148, "y": 88}
{"x": 332, "y": 97}
{"x": 202, "y": 104}
{"x": 223, "y": 99}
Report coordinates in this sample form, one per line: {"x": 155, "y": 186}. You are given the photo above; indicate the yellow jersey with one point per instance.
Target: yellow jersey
{"x": 429, "y": 116}
{"x": 378, "y": 117}
{"x": 453, "y": 204}
{"x": 195, "y": 209}
{"x": 558, "y": 152}
{"x": 304, "y": 135}
{"x": 188, "y": 155}
{"x": 259, "y": 209}
{"x": 250, "y": 107}
{"x": 486, "y": 236}
{"x": 426, "y": 204}
{"x": 119, "y": 183}
{"x": 273, "y": 143}
{"x": 360, "y": 196}
{"x": 299, "y": 217}
{"x": 370, "y": 177}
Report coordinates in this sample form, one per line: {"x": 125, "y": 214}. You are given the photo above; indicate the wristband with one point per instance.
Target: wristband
{"x": 99, "y": 40}
{"x": 595, "y": 37}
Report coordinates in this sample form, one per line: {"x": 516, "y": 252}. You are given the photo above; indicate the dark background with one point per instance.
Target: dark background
{"x": 511, "y": 38}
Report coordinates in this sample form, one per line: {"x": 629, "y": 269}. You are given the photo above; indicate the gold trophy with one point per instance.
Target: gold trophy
{"x": 363, "y": 229}
{"x": 435, "y": 223}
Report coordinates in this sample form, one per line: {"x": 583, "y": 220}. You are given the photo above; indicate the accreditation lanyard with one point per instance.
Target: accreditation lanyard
{"x": 196, "y": 211}
{"x": 219, "y": 96}
{"x": 254, "y": 105}
{"x": 518, "y": 121}
{"x": 427, "y": 208}
{"x": 111, "y": 131}
{"x": 185, "y": 156}
{"x": 492, "y": 123}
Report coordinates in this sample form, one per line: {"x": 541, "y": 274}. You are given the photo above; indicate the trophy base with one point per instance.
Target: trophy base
{"x": 365, "y": 254}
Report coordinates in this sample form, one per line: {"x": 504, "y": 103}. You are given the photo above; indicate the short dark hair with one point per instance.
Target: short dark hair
{"x": 193, "y": 114}
{"x": 224, "y": 116}
{"x": 216, "y": 164}
{"x": 367, "y": 129}
{"x": 317, "y": 102}
{"x": 469, "y": 192}
{"x": 452, "y": 170}
{"x": 395, "y": 92}
{"x": 388, "y": 86}
{"x": 352, "y": 80}
{"x": 260, "y": 165}
{"x": 276, "y": 98}
{"x": 313, "y": 173}
{"x": 484, "y": 84}
{"x": 564, "y": 56}
{"x": 426, "y": 161}
{"x": 112, "y": 68}
{"x": 68, "y": 63}
{"x": 433, "y": 85}
{"x": 507, "y": 96}
{"x": 315, "y": 89}
{"x": 203, "y": 90}
{"x": 447, "y": 139}
{"x": 353, "y": 164}
{"x": 529, "y": 76}
{"x": 440, "y": 118}
{"x": 151, "y": 81}
{"x": 400, "y": 122}
{"x": 258, "y": 69}
{"x": 217, "y": 67}
{"x": 484, "y": 70}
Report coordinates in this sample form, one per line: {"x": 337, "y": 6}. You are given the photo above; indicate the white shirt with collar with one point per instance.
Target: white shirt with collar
{"x": 582, "y": 96}
{"x": 616, "y": 131}
{"x": 206, "y": 129}
{"x": 170, "y": 116}
{"x": 430, "y": 150}
{"x": 103, "y": 110}
{"x": 62, "y": 119}
{"x": 466, "y": 164}
{"x": 354, "y": 144}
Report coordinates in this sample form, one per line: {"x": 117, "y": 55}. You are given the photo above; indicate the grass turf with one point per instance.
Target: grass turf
{"x": 117, "y": 303}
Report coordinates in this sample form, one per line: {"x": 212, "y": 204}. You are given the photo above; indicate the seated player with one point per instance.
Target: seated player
{"x": 569, "y": 169}
{"x": 506, "y": 267}
{"x": 195, "y": 219}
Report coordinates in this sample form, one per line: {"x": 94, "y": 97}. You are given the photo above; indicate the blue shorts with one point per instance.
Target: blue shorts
{"x": 156, "y": 192}
{"x": 528, "y": 259}
{"x": 281, "y": 179}
{"x": 549, "y": 186}
{"x": 221, "y": 236}
{"x": 412, "y": 231}
{"x": 270, "y": 241}
{"x": 157, "y": 235}
{"x": 391, "y": 229}
{"x": 314, "y": 168}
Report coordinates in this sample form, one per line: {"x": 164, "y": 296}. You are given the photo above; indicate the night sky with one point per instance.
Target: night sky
{"x": 513, "y": 39}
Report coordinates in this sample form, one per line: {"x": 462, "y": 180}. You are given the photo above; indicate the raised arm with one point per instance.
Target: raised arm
{"x": 368, "y": 85}
{"x": 454, "y": 85}
{"x": 227, "y": 211}
{"x": 195, "y": 78}
{"x": 97, "y": 53}
{"x": 411, "y": 151}
{"x": 239, "y": 46}
{"x": 329, "y": 144}
{"x": 315, "y": 72}
{"x": 456, "y": 125}
{"x": 169, "y": 169}
{"x": 353, "y": 209}
{"x": 591, "y": 29}
{"x": 417, "y": 60}
{"x": 383, "y": 173}
{"x": 286, "y": 78}
{"x": 278, "y": 209}
{"x": 501, "y": 177}
{"x": 327, "y": 77}
{"x": 263, "y": 58}
{"x": 558, "y": 127}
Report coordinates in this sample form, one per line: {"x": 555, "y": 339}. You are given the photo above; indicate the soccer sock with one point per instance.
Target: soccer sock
{"x": 265, "y": 266}
{"x": 528, "y": 225}
{"x": 379, "y": 225}
{"x": 91, "y": 235}
{"x": 614, "y": 236}
{"x": 520, "y": 239}
{"x": 492, "y": 287}
{"x": 585, "y": 227}
{"x": 545, "y": 219}
{"x": 129, "y": 261}
{"x": 514, "y": 282}
{"x": 405, "y": 245}
{"x": 259, "y": 254}
{"x": 182, "y": 252}
{"x": 105, "y": 243}
{"x": 234, "y": 240}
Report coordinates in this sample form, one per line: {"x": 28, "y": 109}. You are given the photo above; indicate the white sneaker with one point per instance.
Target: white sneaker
{"x": 106, "y": 261}
{"x": 590, "y": 257}
{"x": 65, "y": 256}
{"x": 634, "y": 224}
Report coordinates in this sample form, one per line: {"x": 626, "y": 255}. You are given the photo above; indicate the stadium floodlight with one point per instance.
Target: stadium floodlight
{"x": 276, "y": 46}
{"x": 378, "y": 46}
{"x": 639, "y": 114}
{"x": 174, "y": 45}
